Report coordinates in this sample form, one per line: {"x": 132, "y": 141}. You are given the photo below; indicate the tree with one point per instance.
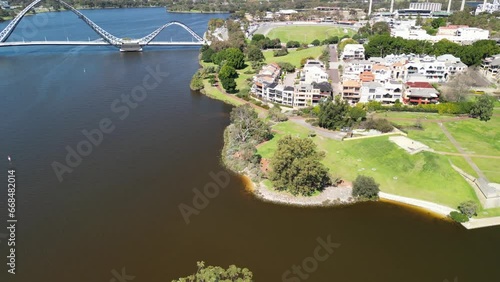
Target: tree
{"x": 469, "y": 208}
{"x": 303, "y": 61}
{"x": 217, "y": 273}
{"x": 196, "y": 81}
{"x": 365, "y": 187}
{"x": 227, "y": 74}
{"x": 206, "y": 56}
{"x": 483, "y": 108}
{"x": 439, "y": 22}
{"x": 333, "y": 114}
{"x": 296, "y": 167}
{"x": 276, "y": 115}
{"x": 292, "y": 44}
{"x": 357, "y": 114}
{"x": 235, "y": 58}
{"x": 258, "y": 37}
{"x": 286, "y": 66}
{"x": 316, "y": 42}
{"x": 254, "y": 54}
{"x": 381, "y": 28}
{"x": 247, "y": 125}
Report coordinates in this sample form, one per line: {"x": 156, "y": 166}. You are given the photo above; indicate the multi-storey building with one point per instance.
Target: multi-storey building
{"x": 434, "y": 7}
{"x": 353, "y": 52}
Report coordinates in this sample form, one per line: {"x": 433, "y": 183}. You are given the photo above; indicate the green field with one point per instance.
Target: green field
{"x": 294, "y": 56}
{"x": 477, "y": 137}
{"x": 306, "y": 34}
{"x": 426, "y": 176}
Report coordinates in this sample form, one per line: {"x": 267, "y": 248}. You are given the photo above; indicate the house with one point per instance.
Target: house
{"x": 387, "y": 93}
{"x": 366, "y": 76}
{"x": 351, "y": 91}
{"x": 417, "y": 93}
{"x": 354, "y": 68}
{"x": 491, "y": 67}
{"x": 313, "y": 71}
{"x": 4, "y": 5}
{"x": 268, "y": 75}
{"x": 353, "y": 52}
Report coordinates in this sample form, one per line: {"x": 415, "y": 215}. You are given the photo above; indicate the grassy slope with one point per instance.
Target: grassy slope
{"x": 425, "y": 176}
{"x": 294, "y": 56}
{"x": 306, "y": 34}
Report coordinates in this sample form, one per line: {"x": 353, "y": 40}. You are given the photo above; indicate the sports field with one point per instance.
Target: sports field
{"x": 306, "y": 34}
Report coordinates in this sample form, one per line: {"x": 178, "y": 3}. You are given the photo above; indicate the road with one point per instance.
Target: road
{"x": 333, "y": 72}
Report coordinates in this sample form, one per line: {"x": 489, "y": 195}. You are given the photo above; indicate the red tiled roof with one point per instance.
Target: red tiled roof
{"x": 419, "y": 84}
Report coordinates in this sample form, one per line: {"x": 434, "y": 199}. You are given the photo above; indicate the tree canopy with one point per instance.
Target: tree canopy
{"x": 296, "y": 167}
{"x": 483, "y": 108}
{"x": 217, "y": 273}
{"x": 365, "y": 187}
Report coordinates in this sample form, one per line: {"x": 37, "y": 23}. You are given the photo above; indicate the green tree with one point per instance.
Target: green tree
{"x": 483, "y": 108}
{"x": 286, "y": 66}
{"x": 333, "y": 114}
{"x": 292, "y": 44}
{"x": 258, "y": 37}
{"x": 207, "y": 55}
{"x": 365, "y": 187}
{"x": 217, "y": 273}
{"x": 316, "y": 42}
{"x": 381, "y": 28}
{"x": 357, "y": 114}
{"x": 254, "y": 54}
{"x": 439, "y": 22}
{"x": 296, "y": 167}
{"x": 227, "y": 74}
{"x": 196, "y": 81}
{"x": 469, "y": 208}
{"x": 235, "y": 58}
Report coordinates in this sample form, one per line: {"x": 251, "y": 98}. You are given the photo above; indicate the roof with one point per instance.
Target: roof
{"x": 351, "y": 83}
{"x": 379, "y": 67}
{"x": 419, "y": 84}
{"x": 423, "y": 92}
{"x": 372, "y": 84}
{"x": 323, "y": 86}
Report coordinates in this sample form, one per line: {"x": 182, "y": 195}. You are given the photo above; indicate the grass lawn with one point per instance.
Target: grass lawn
{"x": 409, "y": 115}
{"x": 425, "y": 176}
{"x": 213, "y": 92}
{"x": 307, "y": 34}
{"x": 477, "y": 137}
{"x": 490, "y": 168}
{"x": 294, "y": 56}
{"x": 433, "y": 136}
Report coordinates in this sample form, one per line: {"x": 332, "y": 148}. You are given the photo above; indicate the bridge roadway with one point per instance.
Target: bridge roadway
{"x": 93, "y": 43}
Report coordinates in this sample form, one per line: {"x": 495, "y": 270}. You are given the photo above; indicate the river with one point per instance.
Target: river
{"x": 118, "y": 209}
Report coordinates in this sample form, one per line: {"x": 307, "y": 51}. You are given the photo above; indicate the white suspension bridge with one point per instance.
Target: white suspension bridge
{"x": 107, "y": 39}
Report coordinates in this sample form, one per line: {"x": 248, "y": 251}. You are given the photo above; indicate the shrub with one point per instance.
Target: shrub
{"x": 292, "y": 44}
{"x": 458, "y": 217}
{"x": 196, "y": 81}
{"x": 275, "y": 114}
{"x": 286, "y": 66}
{"x": 282, "y": 52}
{"x": 468, "y": 208}
{"x": 365, "y": 187}
{"x": 381, "y": 125}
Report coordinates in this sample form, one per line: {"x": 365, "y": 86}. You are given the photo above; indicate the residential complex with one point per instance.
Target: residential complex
{"x": 491, "y": 67}
{"x": 406, "y": 78}
{"x": 304, "y": 88}
{"x": 353, "y": 51}
{"x": 488, "y": 7}
{"x": 462, "y": 34}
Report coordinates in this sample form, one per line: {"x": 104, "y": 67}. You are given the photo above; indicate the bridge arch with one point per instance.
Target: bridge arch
{"x": 108, "y": 37}
{"x": 148, "y": 38}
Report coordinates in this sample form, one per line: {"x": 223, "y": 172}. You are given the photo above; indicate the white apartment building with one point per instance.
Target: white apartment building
{"x": 488, "y": 7}
{"x": 354, "y": 68}
{"x": 353, "y": 52}
{"x": 457, "y": 34}
{"x": 386, "y": 93}
{"x": 313, "y": 71}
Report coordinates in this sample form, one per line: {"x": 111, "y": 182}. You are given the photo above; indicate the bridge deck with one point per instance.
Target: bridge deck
{"x": 92, "y": 43}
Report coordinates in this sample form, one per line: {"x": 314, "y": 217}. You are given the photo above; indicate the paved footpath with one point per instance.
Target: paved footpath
{"x": 482, "y": 222}
{"x": 433, "y": 207}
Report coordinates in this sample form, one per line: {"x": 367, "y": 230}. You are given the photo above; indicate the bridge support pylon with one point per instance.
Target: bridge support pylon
{"x": 130, "y": 47}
